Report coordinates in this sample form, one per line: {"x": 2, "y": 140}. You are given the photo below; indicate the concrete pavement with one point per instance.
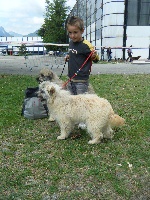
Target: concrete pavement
{"x": 33, "y": 64}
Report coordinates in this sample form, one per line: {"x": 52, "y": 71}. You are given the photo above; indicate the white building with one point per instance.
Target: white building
{"x": 10, "y": 45}
{"x": 116, "y": 24}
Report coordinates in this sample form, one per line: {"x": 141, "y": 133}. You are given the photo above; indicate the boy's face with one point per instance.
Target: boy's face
{"x": 75, "y": 33}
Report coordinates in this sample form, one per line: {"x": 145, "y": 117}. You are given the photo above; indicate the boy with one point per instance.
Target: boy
{"x": 79, "y": 50}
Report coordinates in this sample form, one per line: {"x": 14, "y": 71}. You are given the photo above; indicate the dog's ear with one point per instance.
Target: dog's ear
{"x": 50, "y": 75}
{"x": 51, "y": 90}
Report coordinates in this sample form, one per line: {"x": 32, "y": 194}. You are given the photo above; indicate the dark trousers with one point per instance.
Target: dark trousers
{"x": 129, "y": 56}
{"x": 78, "y": 87}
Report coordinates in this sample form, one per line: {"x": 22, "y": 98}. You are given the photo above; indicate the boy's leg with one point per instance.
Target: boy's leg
{"x": 72, "y": 88}
{"x": 81, "y": 88}
{"x": 78, "y": 88}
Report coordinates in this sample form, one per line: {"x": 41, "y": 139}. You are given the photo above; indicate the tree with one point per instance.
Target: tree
{"x": 53, "y": 30}
{"x": 22, "y": 49}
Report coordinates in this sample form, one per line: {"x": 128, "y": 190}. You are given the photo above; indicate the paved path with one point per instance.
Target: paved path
{"x": 32, "y": 66}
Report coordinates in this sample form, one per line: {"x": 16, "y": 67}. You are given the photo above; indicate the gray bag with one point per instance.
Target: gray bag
{"x": 33, "y": 108}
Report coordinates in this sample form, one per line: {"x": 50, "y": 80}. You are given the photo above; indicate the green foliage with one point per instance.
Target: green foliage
{"x": 22, "y": 49}
{"x": 53, "y": 30}
{"x": 34, "y": 165}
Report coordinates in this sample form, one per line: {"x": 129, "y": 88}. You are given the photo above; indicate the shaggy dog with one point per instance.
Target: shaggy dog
{"x": 48, "y": 75}
{"x": 69, "y": 110}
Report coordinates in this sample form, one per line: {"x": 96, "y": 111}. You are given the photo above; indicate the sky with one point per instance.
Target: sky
{"x": 23, "y": 16}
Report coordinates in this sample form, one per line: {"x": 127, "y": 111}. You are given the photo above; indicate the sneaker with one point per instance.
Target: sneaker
{"x": 82, "y": 126}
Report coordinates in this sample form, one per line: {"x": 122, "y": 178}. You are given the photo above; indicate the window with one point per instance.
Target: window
{"x": 140, "y": 15}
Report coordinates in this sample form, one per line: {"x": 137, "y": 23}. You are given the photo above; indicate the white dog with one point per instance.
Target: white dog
{"x": 70, "y": 110}
{"x": 46, "y": 74}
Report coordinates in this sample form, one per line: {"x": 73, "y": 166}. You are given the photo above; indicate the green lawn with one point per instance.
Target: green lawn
{"x": 34, "y": 165}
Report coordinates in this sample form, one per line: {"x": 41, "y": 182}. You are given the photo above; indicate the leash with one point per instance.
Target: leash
{"x": 62, "y": 70}
{"x": 64, "y": 85}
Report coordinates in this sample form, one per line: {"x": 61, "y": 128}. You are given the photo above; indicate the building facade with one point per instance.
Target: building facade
{"x": 10, "y": 45}
{"x": 116, "y": 24}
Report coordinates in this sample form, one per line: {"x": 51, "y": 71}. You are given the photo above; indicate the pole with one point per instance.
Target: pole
{"x": 125, "y": 27}
{"x": 101, "y": 27}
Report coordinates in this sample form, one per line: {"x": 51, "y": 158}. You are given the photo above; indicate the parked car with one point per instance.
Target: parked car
{"x": 51, "y": 53}
{"x": 2, "y": 54}
{"x": 16, "y": 54}
{"x": 62, "y": 54}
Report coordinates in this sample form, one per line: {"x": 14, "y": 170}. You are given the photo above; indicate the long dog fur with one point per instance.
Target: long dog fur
{"x": 69, "y": 110}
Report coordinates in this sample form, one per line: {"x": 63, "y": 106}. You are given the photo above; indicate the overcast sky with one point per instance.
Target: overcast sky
{"x": 23, "y": 16}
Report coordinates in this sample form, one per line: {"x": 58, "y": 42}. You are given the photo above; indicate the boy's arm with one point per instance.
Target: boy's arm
{"x": 89, "y": 46}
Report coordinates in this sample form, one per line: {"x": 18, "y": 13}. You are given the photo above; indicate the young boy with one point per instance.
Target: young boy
{"x": 79, "y": 50}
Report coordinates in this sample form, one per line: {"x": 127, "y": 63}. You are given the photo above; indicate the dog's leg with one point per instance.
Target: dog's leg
{"x": 65, "y": 131}
{"x": 108, "y": 132}
{"x": 51, "y": 119}
{"x": 63, "y": 135}
{"x": 96, "y": 139}
{"x": 96, "y": 134}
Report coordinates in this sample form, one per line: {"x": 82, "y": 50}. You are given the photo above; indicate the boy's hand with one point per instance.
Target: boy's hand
{"x": 93, "y": 57}
{"x": 66, "y": 58}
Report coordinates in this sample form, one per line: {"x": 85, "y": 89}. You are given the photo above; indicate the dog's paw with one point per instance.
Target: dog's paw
{"x": 94, "y": 141}
{"x": 61, "y": 137}
{"x": 51, "y": 119}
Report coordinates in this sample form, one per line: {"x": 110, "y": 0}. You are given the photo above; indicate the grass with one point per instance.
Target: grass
{"x": 34, "y": 165}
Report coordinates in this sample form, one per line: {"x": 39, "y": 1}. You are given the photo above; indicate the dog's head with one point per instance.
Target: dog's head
{"x": 45, "y": 75}
{"x": 48, "y": 90}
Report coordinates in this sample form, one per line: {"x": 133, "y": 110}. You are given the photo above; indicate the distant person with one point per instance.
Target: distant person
{"x": 109, "y": 52}
{"x": 129, "y": 51}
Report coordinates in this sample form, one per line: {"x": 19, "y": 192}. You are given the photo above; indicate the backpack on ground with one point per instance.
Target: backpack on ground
{"x": 33, "y": 108}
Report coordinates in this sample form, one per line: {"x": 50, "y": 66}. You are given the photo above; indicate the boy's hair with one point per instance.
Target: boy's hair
{"x": 76, "y": 21}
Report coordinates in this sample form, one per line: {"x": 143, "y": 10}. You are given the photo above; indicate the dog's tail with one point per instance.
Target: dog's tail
{"x": 116, "y": 120}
